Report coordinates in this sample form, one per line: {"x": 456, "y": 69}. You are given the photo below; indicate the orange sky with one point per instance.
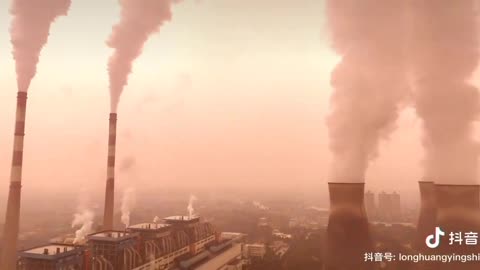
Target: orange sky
{"x": 229, "y": 93}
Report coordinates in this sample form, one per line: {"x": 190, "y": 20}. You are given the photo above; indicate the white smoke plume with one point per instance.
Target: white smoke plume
{"x": 84, "y": 220}
{"x": 128, "y": 202}
{"x": 191, "y": 210}
{"x": 29, "y": 32}
{"x": 445, "y": 53}
{"x": 138, "y": 21}
{"x": 370, "y": 82}
{"x": 156, "y": 219}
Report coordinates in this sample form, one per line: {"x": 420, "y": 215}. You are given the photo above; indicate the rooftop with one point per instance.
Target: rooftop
{"x": 51, "y": 251}
{"x": 181, "y": 219}
{"x": 149, "y": 226}
{"x": 111, "y": 236}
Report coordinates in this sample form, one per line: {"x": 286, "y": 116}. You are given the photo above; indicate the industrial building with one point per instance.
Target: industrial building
{"x": 179, "y": 242}
{"x": 53, "y": 256}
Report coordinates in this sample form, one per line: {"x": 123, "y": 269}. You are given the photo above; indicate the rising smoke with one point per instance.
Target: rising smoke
{"x": 369, "y": 83}
{"x": 83, "y": 218}
{"x": 29, "y": 33}
{"x": 191, "y": 210}
{"x": 139, "y": 19}
{"x": 128, "y": 202}
{"x": 444, "y": 54}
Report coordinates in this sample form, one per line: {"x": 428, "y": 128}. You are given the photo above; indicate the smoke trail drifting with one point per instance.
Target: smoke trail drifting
{"x": 139, "y": 19}
{"x": 156, "y": 219}
{"x": 191, "y": 210}
{"x": 128, "y": 202}
{"x": 29, "y": 33}
{"x": 445, "y": 53}
{"x": 369, "y": 82}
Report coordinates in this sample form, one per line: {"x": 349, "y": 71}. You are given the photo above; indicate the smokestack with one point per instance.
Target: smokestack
{"x": 12, "y": 218}
{"x": 110, "y": 186}
{"x": 348, "y": 236}
{"x": 458, "y": 211}
{"x": 427, "y": 220}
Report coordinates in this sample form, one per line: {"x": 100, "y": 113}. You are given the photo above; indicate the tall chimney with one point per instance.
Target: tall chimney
{"x": 427, "y": 220}
{"x": 348, "y": 235}
{"x": 12, "y": 217}
{"x": 458, "y": 211}
{"x": 110, "y": 186}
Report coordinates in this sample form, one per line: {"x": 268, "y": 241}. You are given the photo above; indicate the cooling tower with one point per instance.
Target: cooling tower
{"x": 110, "y": 186}
{"x": 427, "y": 220}
{"x": 458, "y": 211}
{"x": 348, "y": 236}
{"x": 12, "y": 218}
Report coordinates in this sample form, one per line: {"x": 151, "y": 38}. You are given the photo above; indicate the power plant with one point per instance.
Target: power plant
{"x": 179, "y": 241}
{"x": 12, "y": 218}
{"x": 387, "y": 51}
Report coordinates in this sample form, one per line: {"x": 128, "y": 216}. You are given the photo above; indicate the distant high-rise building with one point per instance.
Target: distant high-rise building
{"x": 389, "y": 207}
{"x": 396, "y": 207}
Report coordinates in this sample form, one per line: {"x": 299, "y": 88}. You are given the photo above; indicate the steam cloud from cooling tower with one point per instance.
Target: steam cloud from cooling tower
{"x": 445, "y": 53}
{"x": 139, "y": 19}
{"x": 29, "y": 31}
{"x": 369, "y": 83}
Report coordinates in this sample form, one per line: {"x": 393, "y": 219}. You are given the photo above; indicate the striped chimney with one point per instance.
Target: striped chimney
{"x": 348, "y": 234}
{"x": 110, "y": 187}
{"x": 12, "y": 218}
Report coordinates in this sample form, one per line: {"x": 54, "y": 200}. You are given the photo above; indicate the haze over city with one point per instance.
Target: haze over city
{"x": 254, "y": 88}
{"x": 228, "y": 135}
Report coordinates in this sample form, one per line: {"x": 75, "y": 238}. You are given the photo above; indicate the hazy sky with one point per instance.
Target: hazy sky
{"x": 228, "y": 93}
